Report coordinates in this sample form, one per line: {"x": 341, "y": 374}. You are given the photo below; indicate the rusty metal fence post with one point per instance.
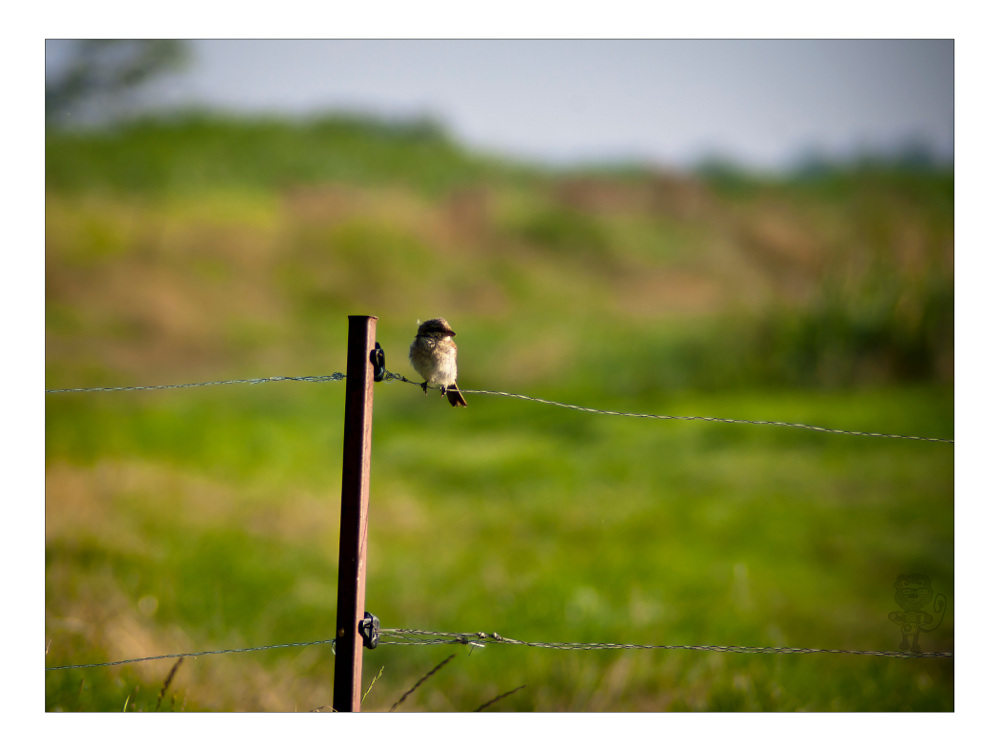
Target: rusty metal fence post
{"x": 354, "y": 513}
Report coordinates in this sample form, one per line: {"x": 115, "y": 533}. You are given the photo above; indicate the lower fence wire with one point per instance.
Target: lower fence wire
{"x": 192, "y": 654}
{"x": 416, "y": 637}
{"x": 409, "y": 636}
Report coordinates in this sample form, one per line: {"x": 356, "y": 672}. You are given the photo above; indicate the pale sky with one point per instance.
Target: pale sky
{"x": 671, "y": 102}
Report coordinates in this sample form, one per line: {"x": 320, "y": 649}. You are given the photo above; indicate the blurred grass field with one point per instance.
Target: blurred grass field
{"x": 205, "y": 249}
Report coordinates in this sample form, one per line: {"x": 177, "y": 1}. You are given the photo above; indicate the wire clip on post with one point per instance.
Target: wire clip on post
{"x": 377, "y": 358}
{"x": 369, "y": 630}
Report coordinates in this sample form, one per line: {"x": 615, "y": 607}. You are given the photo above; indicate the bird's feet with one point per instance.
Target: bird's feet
{"x": 424, "y": 387}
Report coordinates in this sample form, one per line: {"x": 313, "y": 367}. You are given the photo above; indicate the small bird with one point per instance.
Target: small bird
{"x": 433, "y": 354}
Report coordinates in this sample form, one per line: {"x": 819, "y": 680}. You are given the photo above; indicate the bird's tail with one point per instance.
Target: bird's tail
{"x": 455, "y": 398}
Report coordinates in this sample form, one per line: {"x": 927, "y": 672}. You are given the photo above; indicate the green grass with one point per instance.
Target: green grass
{"x": 200, "y": 519}
{"x": 538, "y": 523}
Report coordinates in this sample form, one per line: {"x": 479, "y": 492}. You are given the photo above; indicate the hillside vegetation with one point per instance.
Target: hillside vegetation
{"x": 201, "y": 248}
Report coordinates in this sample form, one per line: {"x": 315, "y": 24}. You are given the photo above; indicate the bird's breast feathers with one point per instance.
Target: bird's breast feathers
{"x": 435, "y": 360}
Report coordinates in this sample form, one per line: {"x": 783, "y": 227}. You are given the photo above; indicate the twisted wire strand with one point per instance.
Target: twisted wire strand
{"x": 389, "y": 376}
{"x": 398, "y": 377}
{"x": 419, "y": 637}
{"x": 190, "y": 654}
{"x": 708, "y": 419}
{"x": 732, "y": 421}
{"x": 311, "y": 379}
{"x": 410, "y": 637}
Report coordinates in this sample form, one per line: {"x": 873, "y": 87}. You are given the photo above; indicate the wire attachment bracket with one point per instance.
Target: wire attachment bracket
{"x": 377, "y": 358}
{"x": 369, "y": 630}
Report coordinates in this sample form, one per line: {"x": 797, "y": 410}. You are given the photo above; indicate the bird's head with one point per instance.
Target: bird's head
{"x": 436, "y": 327}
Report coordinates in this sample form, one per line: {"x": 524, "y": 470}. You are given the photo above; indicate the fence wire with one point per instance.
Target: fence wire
{"x": 409, "y": 636}
{"x": 190, "y": 654}
{"x": 312, "y": 379}
{"x": 397, "y": 377}
{"x": 418, "y": 637}
{"x": 710, "y": 419}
